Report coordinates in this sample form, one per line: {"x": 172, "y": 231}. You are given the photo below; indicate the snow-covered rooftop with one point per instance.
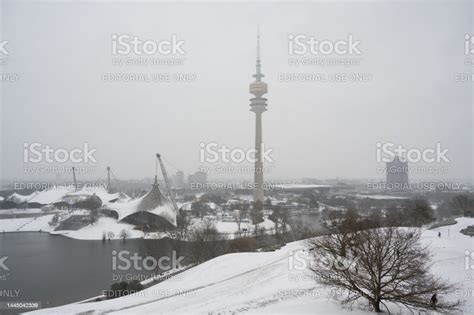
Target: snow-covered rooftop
{"x": 153, "y": 202}
{"x": 59, "y": 193}
{"x": 17, "y": 198}
{"x": 54, "y": 194}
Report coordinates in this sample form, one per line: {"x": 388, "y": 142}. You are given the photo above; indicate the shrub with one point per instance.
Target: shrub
{"x": 246, "y": 244}
{"x": 123, "y": 288}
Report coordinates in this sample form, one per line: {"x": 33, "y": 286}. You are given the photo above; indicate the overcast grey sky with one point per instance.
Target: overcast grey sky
{"x": 412, "y": 49}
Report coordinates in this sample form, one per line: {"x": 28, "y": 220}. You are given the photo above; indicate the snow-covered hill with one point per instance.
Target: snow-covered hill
{"x": 264, "y": 283}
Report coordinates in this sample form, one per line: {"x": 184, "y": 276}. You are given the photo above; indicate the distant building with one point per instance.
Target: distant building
{"x": 178, "y": 179}
{"x": 197, "y": 181}
{"x": 397, "y": 176}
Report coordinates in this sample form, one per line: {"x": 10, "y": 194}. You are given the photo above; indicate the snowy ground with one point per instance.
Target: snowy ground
{"x": 263, "y": 283}
{"x": 232, "y": 228}
{"x": 95, "y": 231}
{"x": 27, "y": 224}
{"x": 22, "y": 211}
{"x": 103, "y": 225}
{"x": 90, "y": 232}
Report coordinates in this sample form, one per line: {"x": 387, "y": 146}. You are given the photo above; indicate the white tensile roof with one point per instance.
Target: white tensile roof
{"x": 153, "y": 202}
{"x": 58, "y": 193}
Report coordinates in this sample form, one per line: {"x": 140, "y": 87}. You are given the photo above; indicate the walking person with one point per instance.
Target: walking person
{"x": 434, "y": 301}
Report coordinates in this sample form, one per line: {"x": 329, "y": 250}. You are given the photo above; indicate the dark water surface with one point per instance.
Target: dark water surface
{"x": 56, "y": 270}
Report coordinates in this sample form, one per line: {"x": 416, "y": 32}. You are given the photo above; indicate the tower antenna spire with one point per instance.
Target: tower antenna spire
{"x": 258, "y": 75}
{"x": 258, "y": 43}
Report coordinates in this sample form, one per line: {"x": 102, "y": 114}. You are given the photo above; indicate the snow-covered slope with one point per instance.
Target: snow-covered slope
{"x": 90, "y": 232}
{"x": 33, "y": 224}
{"x": 264, "y": 283}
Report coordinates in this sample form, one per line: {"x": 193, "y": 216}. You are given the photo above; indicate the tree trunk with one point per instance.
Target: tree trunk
{"x": 343, "y": 250}
{"x": 376, "y": 305}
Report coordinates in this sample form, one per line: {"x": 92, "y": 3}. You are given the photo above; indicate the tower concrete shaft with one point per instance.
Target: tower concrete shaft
{"x": 258, "y": 175}
{"x": 258, "y": 105}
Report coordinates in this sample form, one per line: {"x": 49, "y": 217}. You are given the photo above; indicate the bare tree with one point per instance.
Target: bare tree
{"x": 206, "y": 242}
{"x": 182, "y": 225}
{"x": 342, "y": 226}
{"x": 256, "y": 214}
{"x": 54, "y": 220}
{"x": 124, "y": 234}
{"x": 463, "y": 205}
{"x": 110, "y": 235}
{"x": 240, "y": 214}
{"x": 276, "y": 216}
{"x": 93, "y": 216}
{"x": 281, "y": 219}
{"x": 388, "y": 265}
{"x": 285, "y": 217}
{"x": 198, "y": 209}
{"x": 417, "y": 212}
